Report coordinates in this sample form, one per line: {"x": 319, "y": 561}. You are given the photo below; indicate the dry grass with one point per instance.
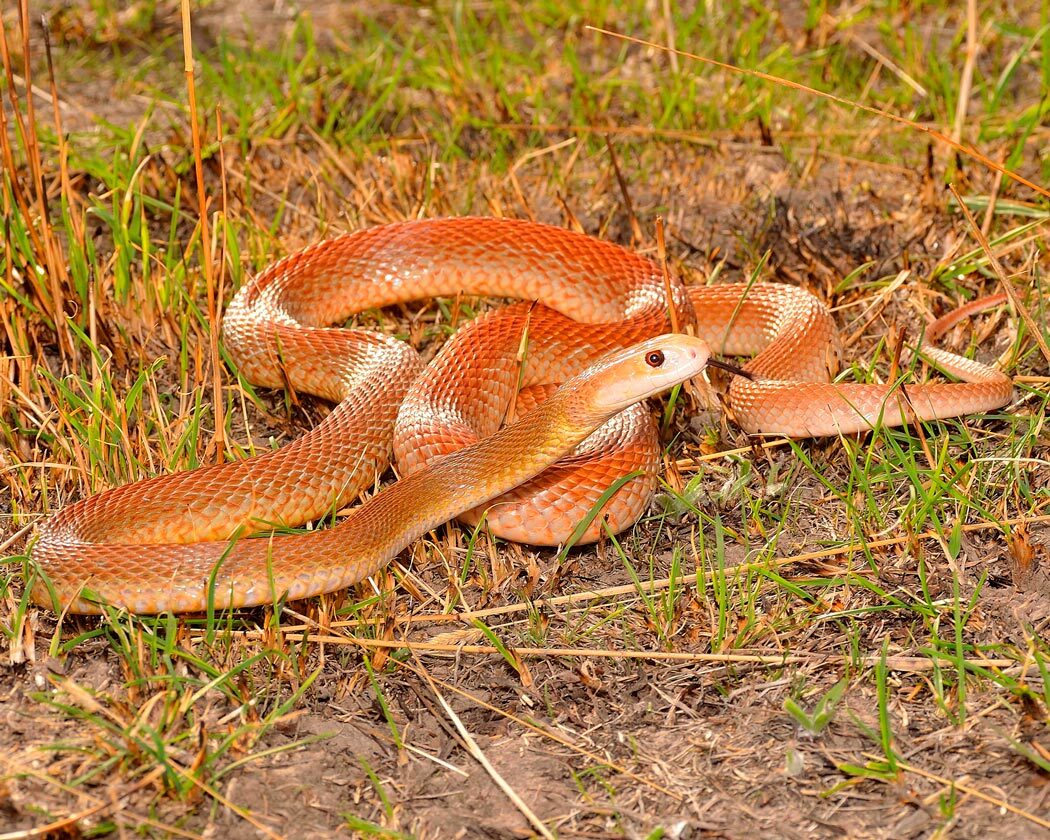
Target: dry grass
{"x": 839, "y": 636}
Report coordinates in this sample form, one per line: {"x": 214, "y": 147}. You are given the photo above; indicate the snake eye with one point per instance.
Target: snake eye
{"x": 654, "y": 358}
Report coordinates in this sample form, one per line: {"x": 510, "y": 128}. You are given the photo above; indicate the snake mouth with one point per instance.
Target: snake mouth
{"x": 733, "y": 369}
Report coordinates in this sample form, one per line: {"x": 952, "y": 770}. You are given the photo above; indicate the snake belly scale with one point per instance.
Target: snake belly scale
{"x": 176, "y": 542}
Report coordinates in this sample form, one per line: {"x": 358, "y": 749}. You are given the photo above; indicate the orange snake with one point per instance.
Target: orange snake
{"x": 173, "y": 542}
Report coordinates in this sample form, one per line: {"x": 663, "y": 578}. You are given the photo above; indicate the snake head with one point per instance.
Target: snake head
{"x": 627, "y": 376}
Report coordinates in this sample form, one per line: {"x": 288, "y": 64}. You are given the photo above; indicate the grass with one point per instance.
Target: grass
{"x": 890, "y": 562}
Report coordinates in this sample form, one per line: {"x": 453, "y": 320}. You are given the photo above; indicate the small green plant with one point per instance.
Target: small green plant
{"x": 946, "y": 803}
{"x": 886, "y": 769}
{"x": 364, "y": 828}
{"x": 823, "y": 713}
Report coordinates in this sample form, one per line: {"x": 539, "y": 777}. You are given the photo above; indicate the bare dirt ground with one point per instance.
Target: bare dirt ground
{"x": 672, "y": 744}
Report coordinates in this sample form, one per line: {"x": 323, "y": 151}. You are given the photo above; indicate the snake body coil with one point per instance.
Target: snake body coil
{"x": 174, "y": 542}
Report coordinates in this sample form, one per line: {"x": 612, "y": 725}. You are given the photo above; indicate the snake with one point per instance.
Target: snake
{"x": 523, "y": 423}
